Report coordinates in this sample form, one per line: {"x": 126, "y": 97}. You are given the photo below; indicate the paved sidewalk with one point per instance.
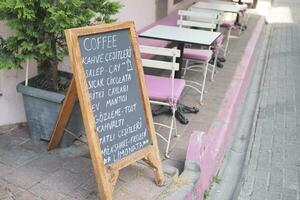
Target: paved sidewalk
{"x": 29, "y": 172}
{"x": 273, "y": 166}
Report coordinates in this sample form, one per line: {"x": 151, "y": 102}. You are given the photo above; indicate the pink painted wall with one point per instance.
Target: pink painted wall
{"x": 143, "y": 12}
{"x": 11, "y": 103}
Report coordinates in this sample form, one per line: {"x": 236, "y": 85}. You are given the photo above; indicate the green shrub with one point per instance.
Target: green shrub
{"x": 39, "y": 30}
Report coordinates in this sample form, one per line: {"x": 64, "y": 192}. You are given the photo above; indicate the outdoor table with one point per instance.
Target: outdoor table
{"x": 223, "y": 6}
{"x": 218, "y": 5}
{"x": 243, "y": 1}
{"x": 181, "y": 36}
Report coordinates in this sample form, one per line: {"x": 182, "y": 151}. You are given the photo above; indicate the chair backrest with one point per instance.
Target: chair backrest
{"x": 163, "y": 64}
{"x": 206, "y": 19}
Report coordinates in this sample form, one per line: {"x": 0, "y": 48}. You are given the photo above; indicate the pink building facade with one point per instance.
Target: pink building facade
{"x": 142, "y": 12}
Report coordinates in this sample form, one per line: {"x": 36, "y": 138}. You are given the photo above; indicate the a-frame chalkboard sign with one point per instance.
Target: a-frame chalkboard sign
{"x": 108, "y": 80}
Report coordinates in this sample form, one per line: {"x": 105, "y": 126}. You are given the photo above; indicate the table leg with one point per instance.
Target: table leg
{"x": 180, "y": 107}
{"x": 179, "y": 112}
{"x": 179, "y": 60}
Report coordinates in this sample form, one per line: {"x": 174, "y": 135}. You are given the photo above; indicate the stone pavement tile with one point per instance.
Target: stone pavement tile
{"x": 90, "y": 187}
{"x": 35, "y": 146}
{"x": 131, "y": 172}
{"x": 264, "y": 160}
{"x": 292, "y": 159}
{"x": 275, "y": 193}
{"x": 16, "y": 156}
{"x": 8, "y": 190}
{"x": 21, "y": 129}
{"x": 45, "y": 192}
{"x": 11, "y": 140}
{"x": 81, "y": 193}
{"x": 290, "y": 120}
{"x": 90, "y": 184}
{"x": 292, "y": 149}
{"x": 4, "y": 170}
{"x": 247, "y": 188}
{"x": 64, "y": 181}
{"x": 25, "y": 176}
{"x": 290, "y": 105}
{"x": 143, "y": 185}
{"x": 289, "y": 194}
{"x": 279, "y": 139}
{"x": 183, "y": 140}
{"x": 280, "y": 108}
{"x": 266, "y": 141}
{"x": 123, "y": 193}
{"x": 91, "y": 197}
{"x": 277, "y": 176}
{"x": 259, "y": 192}
{"x": 79, "y": 165}
{"x": 293, "y": 136}
{"x": 146, "y": 171}
{"x": 3, "y": 192}
{"x": 47, "y": 163}
{"x": 261, "y": 176}
{"x": 75, "y": 150}
{"x": 178, "y": 152}
{"x": 267, "y": 129}
{"x": 7, "y": 129}
{"x": 150, "y": 191}
{"x": 291, "y": 179}
{"x": 277, "y": 161}
{"x": 27, "y": 196}
{"x": 179, "y": 164}
{"x": 260, "y": 183}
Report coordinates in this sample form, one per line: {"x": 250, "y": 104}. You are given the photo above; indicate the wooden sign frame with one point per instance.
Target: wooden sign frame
{"x": 106, "y": 176}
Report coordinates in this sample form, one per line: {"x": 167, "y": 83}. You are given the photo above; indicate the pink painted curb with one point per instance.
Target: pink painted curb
{"x": 208, "y": 149}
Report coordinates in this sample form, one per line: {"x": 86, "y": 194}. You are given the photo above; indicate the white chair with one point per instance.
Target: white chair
{"x": 206, "y": 21}
{"x": 227, "y": 23}
{"x": 164, "y": 90}
{"x": 223, "y": 22}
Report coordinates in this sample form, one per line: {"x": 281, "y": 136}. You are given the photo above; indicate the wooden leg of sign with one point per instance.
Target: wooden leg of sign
{"x": 114, "y": 178}
{"x": 154, "y": 161}
{"x": 64, "y": 116}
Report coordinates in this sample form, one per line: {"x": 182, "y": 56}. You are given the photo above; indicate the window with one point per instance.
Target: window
{"x": 176, "y": 1}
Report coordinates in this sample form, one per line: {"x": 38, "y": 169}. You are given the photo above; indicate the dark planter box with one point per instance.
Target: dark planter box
{"x": 42, "y": 108}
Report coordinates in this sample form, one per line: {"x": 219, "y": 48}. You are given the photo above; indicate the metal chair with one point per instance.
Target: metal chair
{"x": 164, "y": 90}
{"x": 206, "y": 21}
{"x": 222, "y": 22}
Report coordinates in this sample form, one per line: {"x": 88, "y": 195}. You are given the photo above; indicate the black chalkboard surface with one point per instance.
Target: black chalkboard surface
{"x": 117, "y": 106}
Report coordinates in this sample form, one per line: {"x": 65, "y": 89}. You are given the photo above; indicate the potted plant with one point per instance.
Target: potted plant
{"x": 39, "y": 34}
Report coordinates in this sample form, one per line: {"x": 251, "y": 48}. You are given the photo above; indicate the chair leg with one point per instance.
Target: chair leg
{"x": 214, "y": 66}
{"x": 175, "y": 125}
{"x": 172, "y": 127}
{"x": 185, "y": 67}
{"x": 170, "y": 134}
{"x": 227, "y": 42}
{"x": 169, "y": 139}
{"x": 203, "y": 83}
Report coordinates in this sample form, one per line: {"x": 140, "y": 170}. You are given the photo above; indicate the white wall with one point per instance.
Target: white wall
{"x": 142, "y": 12}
